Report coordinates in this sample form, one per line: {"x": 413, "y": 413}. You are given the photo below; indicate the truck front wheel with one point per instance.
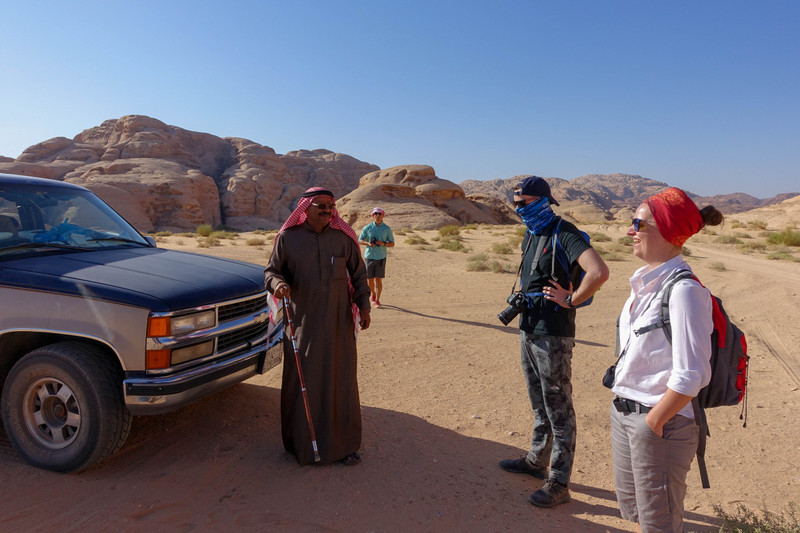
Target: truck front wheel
{"x": 62, "y": 407}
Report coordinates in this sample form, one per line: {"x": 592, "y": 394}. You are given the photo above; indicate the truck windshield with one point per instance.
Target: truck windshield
{"x": 67, "y": 218}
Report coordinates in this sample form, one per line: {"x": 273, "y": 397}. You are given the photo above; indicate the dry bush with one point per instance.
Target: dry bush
{"x": 718, "y": 266}
{"x": 255, "y": 241}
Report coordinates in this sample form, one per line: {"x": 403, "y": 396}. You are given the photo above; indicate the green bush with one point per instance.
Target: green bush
{"x": 745, "y": 520}
{"x": 453, "y": 245}
{"x": 223, "y": 235}
{"x": 782, "y": 256}
{"x": 416, "y": 240}
{"x": 755, "y": 246}
{"x": 501, "y": 248}
{"x": 163, "y": 233}
{"x": 727, "y": 239}
{"x": 627, "y": 240}
{"x": 478, "y": 263}
{"x": 452, "y": 229}
{"x": 204, "y": 230}
{"x": 757, "y": 224}
{"x": 599, "y": 237}
{"x": 787, "y": 237}
{"x": 718, "y": 266}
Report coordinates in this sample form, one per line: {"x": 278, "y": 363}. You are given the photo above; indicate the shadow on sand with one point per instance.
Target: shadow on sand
{"x": 219, "y": 464}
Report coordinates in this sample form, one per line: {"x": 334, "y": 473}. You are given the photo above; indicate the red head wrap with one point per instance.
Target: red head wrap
{"x": 676, "y": 215}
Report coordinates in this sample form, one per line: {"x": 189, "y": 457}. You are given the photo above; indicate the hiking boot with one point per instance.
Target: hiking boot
{"x": 550, "y": 495}
{"x": 523, "y": 466}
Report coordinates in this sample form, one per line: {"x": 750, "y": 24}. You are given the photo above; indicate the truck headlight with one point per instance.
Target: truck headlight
{"x": 183, "y": 325}
{"x": 165, "y": 326}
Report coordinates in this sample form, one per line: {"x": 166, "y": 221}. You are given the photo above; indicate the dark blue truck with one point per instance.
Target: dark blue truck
{"x": 98, "y": 324}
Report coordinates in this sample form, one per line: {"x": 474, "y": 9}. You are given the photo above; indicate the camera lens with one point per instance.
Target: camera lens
{"x": 507, "y": 315}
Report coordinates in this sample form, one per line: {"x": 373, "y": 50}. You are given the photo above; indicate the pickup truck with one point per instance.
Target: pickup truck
{"x": 97, "y": 324}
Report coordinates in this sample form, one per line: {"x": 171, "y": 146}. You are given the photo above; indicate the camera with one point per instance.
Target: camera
{"x": 517, "y": 302}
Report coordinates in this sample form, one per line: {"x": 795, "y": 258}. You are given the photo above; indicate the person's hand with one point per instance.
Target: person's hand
{"x": 379, "y": 243}
{"x": 557, "y": 293}
{"x": 282, "y": 291}
{"x": 653, "y": 424}
{"x": 365, "y": 319}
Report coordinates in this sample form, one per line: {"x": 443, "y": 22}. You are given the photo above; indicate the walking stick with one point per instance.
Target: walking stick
{"x": 302, "y": 381}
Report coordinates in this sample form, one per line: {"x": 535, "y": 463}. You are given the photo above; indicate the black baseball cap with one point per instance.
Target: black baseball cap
{"x": 535, "y": 186}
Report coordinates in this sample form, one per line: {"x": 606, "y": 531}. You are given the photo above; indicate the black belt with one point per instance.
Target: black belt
{"x": 629, "y": 406}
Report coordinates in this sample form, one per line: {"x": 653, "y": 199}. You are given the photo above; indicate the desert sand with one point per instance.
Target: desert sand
{"x": 443, "y": 401}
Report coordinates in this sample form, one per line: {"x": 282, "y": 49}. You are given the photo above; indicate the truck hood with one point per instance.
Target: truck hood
{"x": 153, "y": 278}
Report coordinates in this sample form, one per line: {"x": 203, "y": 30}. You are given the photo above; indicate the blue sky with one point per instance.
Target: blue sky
{"x": 701, "y": 95}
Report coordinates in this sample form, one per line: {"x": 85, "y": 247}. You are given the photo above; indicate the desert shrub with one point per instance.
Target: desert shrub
{"x": 744, "y": 520}
{"x": 501, "y": 248}
{"x": 719, "y": 266}
{"x": 686, "y": 251}
{"x": 416, "y": 240}
{"x": 520, "y": 230}
{"x": 741, "y": 235}
{"x": 449, "y": 230}
{"x": 204, "y": 230}
{"x": 599, "y": 237}
{"x": 223, "y": 235}
{"x": 708, "y": 231}
{"x": 470, "y": 227}
{"x": 754, "y": 246}
{"x": 736, "y": 224}
{"x": 255, "y": 241}
{"x": 478, "y": 263}
{"x": 782, "y": 255}
{"x": 757, "y": 224}
{"x": 500, "y": 268}
{"x": 454, "y": 245}
{"x": 207, "y": 242}
{"x": 727, "y": 239}
{"x": 787, "y": 237}
{"x": 627, "y": 239}
{"x": 163, "y": 234}
{"x": 186, "y": 234}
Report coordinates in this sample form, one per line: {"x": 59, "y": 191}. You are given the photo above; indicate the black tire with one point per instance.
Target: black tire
{"x": 62, "y": 407}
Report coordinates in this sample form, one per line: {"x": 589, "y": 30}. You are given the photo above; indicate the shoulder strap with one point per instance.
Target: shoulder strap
{"x": 663, "y": 320}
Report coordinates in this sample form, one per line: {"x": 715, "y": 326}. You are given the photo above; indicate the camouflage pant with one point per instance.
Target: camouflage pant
{"x": 547, "y": 364}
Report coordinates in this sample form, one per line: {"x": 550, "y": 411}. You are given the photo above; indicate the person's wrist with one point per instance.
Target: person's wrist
{"x": 568, "y": 301}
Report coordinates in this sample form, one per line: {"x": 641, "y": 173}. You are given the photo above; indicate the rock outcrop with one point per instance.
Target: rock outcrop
{"x": 167, "y": 178}
{"x": 414, "y": 197}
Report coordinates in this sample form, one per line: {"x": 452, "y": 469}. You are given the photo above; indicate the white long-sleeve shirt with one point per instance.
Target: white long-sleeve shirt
{"x": 651, "y": 364}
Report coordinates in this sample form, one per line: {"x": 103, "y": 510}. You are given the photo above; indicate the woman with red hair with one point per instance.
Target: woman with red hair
{"x": 653, "y": 433}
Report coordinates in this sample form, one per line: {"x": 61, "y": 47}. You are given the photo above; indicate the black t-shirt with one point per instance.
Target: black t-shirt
{"x": 542, "y": 318}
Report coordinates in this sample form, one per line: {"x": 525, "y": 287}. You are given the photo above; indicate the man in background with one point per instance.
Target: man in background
{"x": 377, "y": 237}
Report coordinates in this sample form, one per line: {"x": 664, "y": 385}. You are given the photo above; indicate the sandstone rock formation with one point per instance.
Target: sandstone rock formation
{"x": 414, "y": 197}
{"x": 167, "y": 178}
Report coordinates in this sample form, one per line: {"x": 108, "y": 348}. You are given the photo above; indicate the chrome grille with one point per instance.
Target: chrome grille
{"x": 241, "y": 336}
{"x": 243, "y": 308}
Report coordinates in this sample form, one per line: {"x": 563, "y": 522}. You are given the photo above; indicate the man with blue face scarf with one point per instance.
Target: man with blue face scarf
{"x": 547, "y": 336}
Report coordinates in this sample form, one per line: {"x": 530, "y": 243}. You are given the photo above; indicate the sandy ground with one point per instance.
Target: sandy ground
{"x": 443, "y": 401}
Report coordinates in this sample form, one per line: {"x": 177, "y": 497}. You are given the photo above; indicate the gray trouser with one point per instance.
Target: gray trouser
{"x": 650, "y": 471}
{"x": 547, "y": 364}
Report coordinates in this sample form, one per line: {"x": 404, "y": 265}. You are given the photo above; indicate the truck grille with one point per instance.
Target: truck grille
{"x": 241, "y": 336}
{"x": 242, "y": 308}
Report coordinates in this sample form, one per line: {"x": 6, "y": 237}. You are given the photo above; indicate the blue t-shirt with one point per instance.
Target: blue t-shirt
{"x": 378, "y": 232}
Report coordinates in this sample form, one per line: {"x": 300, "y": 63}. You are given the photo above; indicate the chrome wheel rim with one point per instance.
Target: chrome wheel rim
{"x": 52, "y": 413}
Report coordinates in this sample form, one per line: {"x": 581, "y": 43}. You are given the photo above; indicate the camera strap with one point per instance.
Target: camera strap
{"x": 536, "y": 256}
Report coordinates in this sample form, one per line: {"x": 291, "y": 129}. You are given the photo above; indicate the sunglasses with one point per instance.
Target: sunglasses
{"x": 638, "y": 224}
{"x": 324, "y": 206}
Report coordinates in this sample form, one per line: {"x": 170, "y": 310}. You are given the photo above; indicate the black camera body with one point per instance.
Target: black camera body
{"x": 517, "y": 302}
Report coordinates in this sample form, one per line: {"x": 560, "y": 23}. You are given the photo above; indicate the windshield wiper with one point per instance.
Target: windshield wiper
{"x": 42, "y": 245}
{"x": 120, "y": 239}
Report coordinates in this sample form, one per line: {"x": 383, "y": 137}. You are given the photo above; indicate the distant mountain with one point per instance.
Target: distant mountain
{"x": 597, "y": 197}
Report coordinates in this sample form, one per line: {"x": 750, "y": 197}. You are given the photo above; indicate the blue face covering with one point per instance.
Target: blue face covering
{"x": 536, "y": 215}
